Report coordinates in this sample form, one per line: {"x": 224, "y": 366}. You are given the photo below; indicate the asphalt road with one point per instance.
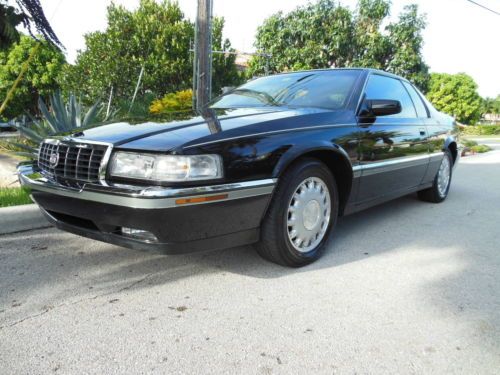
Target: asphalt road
{"x": 407, "y": 287}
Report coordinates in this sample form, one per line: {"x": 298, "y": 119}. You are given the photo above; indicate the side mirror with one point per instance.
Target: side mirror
{"x": 380, "y": 107}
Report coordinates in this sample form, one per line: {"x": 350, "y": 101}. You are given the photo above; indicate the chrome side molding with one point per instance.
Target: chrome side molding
{"x": 393, "y": 164}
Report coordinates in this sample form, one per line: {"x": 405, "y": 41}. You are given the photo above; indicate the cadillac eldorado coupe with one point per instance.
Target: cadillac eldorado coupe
{"x": 274, "y": 163}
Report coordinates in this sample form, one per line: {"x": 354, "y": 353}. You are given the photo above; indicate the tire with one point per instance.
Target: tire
{"x": 305, "y": 205}
{"x": 437, "y": 192}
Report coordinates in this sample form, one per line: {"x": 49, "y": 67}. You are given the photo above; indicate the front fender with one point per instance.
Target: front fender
{"x": 333, "y": 156}
{"x": 298, "y": 151}
{"x": 449, "y": 140}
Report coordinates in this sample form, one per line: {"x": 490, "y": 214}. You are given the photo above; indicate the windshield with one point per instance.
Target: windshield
{"x": 322, "y": 89}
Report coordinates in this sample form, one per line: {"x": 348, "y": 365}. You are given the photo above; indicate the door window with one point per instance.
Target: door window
{"x": 382, "y": 87}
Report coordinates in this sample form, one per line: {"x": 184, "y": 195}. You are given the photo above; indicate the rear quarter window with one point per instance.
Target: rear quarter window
{"x": 417, "y": 100}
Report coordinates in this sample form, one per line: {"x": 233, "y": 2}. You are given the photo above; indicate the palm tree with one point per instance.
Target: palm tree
{"x": 30, "y": 14}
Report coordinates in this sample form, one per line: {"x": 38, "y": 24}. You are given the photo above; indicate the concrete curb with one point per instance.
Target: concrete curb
{"x": 20, "y": 218}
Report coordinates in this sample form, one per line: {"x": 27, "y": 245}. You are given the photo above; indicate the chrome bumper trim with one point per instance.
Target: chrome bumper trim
{"x": 154, "y": 197}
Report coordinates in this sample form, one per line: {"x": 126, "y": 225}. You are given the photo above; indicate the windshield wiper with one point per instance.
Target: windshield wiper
{"x": 268, "y": 99}
{"x": 286, "y": 91}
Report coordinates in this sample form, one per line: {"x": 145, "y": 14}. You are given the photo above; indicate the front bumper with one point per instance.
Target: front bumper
{"x": 180, "y": 220}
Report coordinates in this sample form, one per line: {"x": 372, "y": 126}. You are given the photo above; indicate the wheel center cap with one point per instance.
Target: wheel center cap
{"x": 311, "y": 214}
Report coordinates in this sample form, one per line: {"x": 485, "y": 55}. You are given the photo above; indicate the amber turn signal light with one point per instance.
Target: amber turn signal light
{"x": 209, "y": 198}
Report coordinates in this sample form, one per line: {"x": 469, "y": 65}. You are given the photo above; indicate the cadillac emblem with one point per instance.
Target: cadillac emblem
{"x": 54, "y": 159}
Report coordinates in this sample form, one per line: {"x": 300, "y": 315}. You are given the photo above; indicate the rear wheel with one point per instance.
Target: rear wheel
{"x": 441, "y": 185}
{"x": 302, "y": 213}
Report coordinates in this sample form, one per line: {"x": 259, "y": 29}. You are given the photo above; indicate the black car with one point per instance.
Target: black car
{"x": 8, "y": 126}
{"x": 273, "y": 162}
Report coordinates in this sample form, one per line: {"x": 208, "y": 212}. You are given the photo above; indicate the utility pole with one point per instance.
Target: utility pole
{"x": 202, "y": 62}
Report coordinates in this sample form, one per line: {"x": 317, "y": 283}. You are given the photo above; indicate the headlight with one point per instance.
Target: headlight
{"x": 166, "y": 167}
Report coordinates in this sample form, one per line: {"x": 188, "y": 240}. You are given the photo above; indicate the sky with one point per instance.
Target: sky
{"x": 459, "y": 37}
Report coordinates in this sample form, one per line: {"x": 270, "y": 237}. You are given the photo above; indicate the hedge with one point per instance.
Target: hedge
{"x": 481, "y": 130}
{"x": 480, "y": 148}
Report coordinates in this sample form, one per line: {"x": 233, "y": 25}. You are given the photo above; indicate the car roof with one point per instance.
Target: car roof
{"x": 368, "y": 70}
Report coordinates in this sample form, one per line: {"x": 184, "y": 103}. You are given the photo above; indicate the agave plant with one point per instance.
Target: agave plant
{"x": 60, "y": 119}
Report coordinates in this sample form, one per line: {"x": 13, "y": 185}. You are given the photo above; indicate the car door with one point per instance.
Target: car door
{"x": 437, "y": 133}
{"x": 393, "y": 149}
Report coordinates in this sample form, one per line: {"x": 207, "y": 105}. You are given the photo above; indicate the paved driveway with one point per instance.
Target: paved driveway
{"x": 408, "y": 287}
{"x": 8, "y": 164}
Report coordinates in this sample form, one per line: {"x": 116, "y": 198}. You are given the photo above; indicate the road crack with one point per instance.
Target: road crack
{"x": 47, "y": 309}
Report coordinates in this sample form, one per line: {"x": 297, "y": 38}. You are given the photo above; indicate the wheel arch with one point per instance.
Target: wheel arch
{"x": 452, "y": 146}
{"x": 333, "y": 156}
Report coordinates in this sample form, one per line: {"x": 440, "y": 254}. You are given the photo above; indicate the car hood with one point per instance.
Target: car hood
{"x": 185, "y": 129}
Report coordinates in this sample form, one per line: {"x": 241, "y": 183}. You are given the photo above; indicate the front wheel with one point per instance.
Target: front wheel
{"x": 302, "y": 213}
{"x": 441, "y": 185}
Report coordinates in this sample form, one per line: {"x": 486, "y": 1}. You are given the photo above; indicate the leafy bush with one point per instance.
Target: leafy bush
{"x": 40, "y": 79}
{"x": 173, "y": 102}
{"x": 468, "y": 143}
{"x": 480, "y": 148}
{"x": 481, "y": 130}
{"x": 122, "y": 110}
{"x": 456, "y": 95}
{"x": 325, "y": 33}
{"x": 473, "y": 146}
{"x": 155, "y": 36}
{"x": 490, "y": 130}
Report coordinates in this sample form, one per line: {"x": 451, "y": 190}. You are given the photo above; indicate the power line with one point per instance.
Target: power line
{"x": 55, "y": 10}
{"x": 484, "y": 7}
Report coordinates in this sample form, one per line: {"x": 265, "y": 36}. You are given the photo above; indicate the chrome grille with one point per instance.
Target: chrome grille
{"x": 75, "y": 161}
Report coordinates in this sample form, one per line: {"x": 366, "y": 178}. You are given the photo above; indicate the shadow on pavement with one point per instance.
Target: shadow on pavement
{"x": 467, "y": 223}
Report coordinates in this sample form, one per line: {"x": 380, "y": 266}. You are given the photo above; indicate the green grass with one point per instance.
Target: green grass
{"x": 14, "y": 196}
